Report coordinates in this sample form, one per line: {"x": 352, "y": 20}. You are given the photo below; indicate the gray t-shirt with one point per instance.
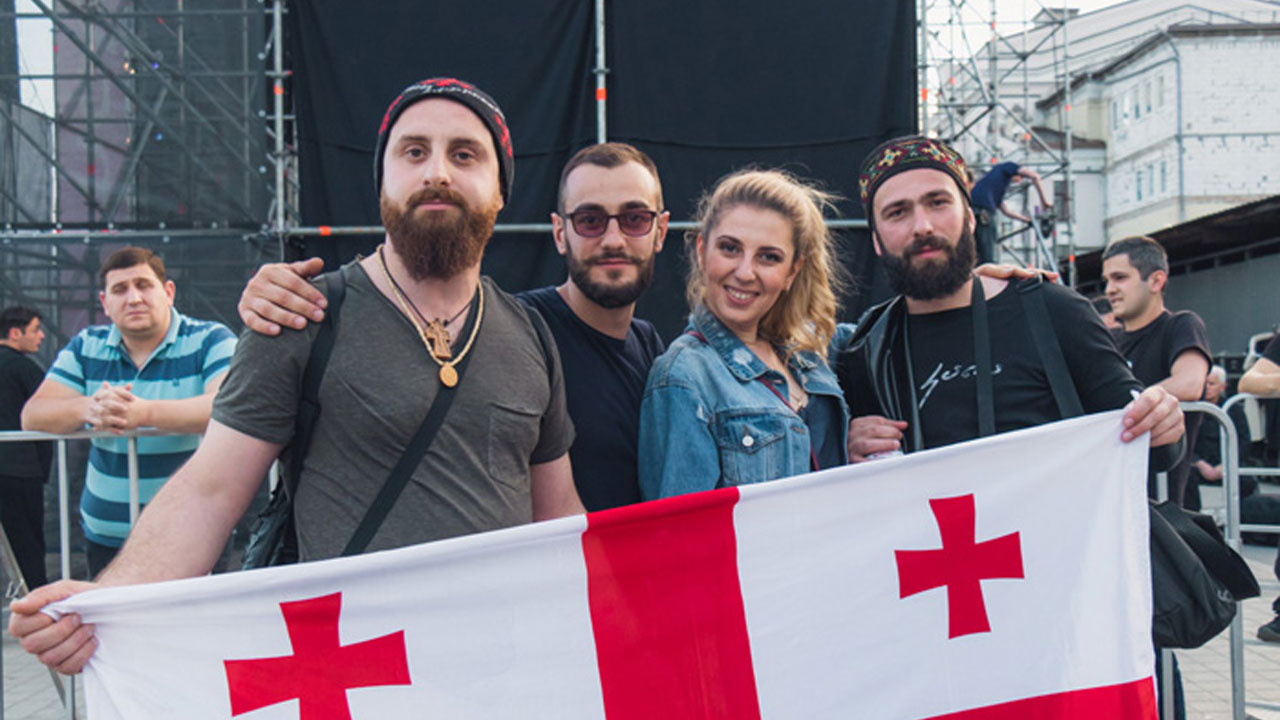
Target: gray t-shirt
{"x": 509, "y": 413}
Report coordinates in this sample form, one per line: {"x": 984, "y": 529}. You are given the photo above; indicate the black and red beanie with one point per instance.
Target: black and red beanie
{"x": 911, "y": 152}
{"x": 475, "y": 99}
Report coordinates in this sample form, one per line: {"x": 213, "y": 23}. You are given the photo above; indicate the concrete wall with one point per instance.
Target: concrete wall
{"x": 1230, "y": 105}
{"x": 1236, "y": 301}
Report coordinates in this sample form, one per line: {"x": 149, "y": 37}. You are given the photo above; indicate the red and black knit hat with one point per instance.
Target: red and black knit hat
{"x": 475, "y": 99}
{"x": 910, "y": 152}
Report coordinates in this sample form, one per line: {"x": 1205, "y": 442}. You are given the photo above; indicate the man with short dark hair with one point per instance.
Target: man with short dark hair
{"x": 609, "y": 223}
{"x": 24, "y": 466}
{"x": 1169, "y": 349}
{"x": 151, "y": 367}
{"x": 413, "y": 312}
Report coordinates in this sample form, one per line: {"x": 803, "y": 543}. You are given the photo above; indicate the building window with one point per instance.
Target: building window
{"x": 1138, "y": 184}
{"x": 1164, "y": 177}
{"x": 1146, "y": 96}
{"x": 1151, "y": 181}
{"x": 1159, "y": 91}
{"x": 1115, "y": 114}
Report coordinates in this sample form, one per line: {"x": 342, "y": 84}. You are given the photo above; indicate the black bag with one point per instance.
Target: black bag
{"x": 1196, "y": 580}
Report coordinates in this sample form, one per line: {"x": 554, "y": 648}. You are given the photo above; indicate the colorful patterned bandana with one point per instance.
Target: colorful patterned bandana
{"x": 475, "y": 99}
{"x": 910, "y": 152}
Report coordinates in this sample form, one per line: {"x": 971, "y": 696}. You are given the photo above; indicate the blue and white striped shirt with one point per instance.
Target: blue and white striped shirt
{"x": 193, "y": 353}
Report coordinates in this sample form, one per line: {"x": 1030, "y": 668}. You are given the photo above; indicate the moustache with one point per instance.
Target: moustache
{"x": 924, "y": 244}
{"x": 611, "y": 257}
{"x": 436, "y": 195}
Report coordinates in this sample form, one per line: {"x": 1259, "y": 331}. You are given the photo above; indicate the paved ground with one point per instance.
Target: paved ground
{"x": 29, "y": 692}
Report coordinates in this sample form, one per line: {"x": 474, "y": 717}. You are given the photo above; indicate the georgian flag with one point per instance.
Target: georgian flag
{"x": 1003, "y": 578}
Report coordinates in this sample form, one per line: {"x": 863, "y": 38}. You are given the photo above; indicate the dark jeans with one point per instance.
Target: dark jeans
{"x": 98, "y": 556}
{"x": 984, "y": 236}
{"x": 22, "y": 516}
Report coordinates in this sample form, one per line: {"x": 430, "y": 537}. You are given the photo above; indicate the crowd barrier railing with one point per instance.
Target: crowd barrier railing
{"x": 17, "y": 585}
{"x": 1234, "y": 526}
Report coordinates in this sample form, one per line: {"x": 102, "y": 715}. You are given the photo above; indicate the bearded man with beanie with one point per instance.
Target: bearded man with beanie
{"x": 416, "y": 319}
{"x": 911, "y": 373}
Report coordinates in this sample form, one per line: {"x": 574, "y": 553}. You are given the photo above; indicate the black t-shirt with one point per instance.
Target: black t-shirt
{"x": 943, "y": 365}
{"x": 604, "y": 380}
{"x": 1152, "y": 349}
{"x": 19, "y": 378}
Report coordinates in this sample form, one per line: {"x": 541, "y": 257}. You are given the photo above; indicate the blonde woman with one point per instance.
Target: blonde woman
{"x": 745, "y": 395}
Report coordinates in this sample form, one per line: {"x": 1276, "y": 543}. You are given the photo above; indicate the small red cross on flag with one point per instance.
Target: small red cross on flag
{"x": 960, "y": 564}
{"x": 320, "y": 670}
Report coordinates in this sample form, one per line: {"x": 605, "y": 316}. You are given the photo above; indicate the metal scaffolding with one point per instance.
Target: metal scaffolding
{"x": 980, "y": 77}
{"x": 168, "y": 130}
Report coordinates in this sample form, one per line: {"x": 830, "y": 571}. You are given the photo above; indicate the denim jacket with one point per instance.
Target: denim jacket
{"x": 708, "y": 421}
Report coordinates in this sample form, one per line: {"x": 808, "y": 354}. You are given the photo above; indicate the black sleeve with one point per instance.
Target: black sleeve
{"x": 1101, "y": 374}
{"x": 1186, "y": 332}
{"x": 30, "y": 376}
{"x": 1272, "y": 351}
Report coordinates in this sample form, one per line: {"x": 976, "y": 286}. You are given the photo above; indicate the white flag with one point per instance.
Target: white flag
{"x": 1003, "y": 578}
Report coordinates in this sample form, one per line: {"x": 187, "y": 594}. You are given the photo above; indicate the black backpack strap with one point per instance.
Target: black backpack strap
{"x": 1046, "y": 340}
{"x": 982, "y": 361}
{"x": 413, "y": 454}
{"x": 309, "y": 404}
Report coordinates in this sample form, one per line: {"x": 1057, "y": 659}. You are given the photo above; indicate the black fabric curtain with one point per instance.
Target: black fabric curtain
{"x": 704, "y": 88}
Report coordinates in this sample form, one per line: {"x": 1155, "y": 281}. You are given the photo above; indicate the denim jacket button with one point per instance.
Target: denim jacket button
{"x": 748, "y": 441}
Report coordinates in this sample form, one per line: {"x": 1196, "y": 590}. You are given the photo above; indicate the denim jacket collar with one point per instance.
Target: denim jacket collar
{"x": 737, "y": 356}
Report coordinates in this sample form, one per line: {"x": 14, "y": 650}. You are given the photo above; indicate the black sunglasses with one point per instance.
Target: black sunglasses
{"x": 593, "y": 223}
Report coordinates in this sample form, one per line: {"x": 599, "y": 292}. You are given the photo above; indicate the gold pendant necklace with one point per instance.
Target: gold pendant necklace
{"x": 435, "y": 336}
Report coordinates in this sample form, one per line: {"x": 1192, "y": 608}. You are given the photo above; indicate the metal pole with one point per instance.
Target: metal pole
{"x": 64, "y": 515}
{"x": 601, "y": 72}
{"x": 132, "y": 445}
{"x": 277, "y": 66}
{"x": 923, "y": 53}
{"x": 1066, "y": 151}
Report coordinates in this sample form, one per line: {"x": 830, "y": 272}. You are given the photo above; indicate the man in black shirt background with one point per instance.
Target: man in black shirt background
{"x": 1166, "y": 349}
{"x": 24, "y": 466}
{"x": 609, "y": 224}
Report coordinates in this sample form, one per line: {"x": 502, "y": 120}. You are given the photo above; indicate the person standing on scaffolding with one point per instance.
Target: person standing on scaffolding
{"x": 988, "y": 196}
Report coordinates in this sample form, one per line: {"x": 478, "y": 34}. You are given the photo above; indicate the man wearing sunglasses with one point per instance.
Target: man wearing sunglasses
{"x": 609, "y": 224}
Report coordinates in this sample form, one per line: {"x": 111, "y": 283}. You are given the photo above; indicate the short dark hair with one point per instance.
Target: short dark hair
{"x": 18, "y": 316}
{"x": 608, "y": 155}
{"x": 1145, "y": 254}
{"x": 127, "y": 257}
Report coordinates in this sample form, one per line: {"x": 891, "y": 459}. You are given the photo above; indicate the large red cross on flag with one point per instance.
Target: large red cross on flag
{"x": 917, "y": 587}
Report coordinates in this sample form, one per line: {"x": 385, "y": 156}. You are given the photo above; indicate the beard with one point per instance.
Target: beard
{"x": 603, "y": 294}
{"x": 442, "y": 244}
{"x": 932, "y": 280}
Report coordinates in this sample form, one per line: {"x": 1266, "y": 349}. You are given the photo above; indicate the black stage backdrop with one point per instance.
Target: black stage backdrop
{"x": 704, "y": 88}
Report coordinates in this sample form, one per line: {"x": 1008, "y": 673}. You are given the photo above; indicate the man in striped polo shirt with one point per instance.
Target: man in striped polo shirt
{"x": 151, "y": 367}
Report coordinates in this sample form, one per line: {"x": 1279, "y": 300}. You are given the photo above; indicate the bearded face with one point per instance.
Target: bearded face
{"x": 610, "y": 294}
{"x": 934, "y": 277}
{"x": 438, "y": 243}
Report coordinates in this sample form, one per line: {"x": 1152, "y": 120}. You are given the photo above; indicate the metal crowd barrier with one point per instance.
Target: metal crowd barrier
{"x": 1231, "y": 472}
{"x": 67, "y": 691}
